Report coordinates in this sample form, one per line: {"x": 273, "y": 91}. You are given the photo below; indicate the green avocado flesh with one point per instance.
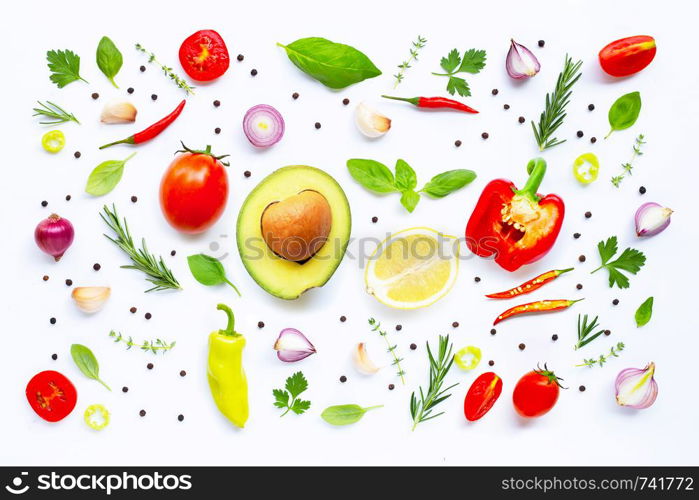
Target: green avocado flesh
{"x": 280, "y": 277}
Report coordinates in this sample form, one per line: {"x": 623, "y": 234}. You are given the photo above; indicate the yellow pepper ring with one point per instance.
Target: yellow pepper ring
{"x": 586, "y": 168}
{"x": 102, "y": 419}
{"x": 53, "y": 141}
{"x": 468, "y": 357}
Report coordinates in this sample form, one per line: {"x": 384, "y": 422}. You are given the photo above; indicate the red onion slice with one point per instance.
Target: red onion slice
{"x": 521, "y": 62}
{"x": 636, "y": 388}
{"x": 292, "y": 345}
{"x": 263, "y": 126}
{"x": 651, "y": 219}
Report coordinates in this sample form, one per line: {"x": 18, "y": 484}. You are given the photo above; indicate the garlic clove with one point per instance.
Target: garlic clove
{"x": 521, "y": 62}
{"x": 363, "y": 362}
{"x": 651, "y": 219}
{"x": 370, "y": 122}
{"x": 118, "y": 111}
{"x": 90, "y": 299}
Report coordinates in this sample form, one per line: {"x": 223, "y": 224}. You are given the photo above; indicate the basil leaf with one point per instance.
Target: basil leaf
{"x": 405, "y": 176}
{"x": 335, "y": 65}
{"x": 109, "y": 59}
{"x": 345, "y": 414}
{"x": 624, "y": 112}
{"x": 86, "y": 362}
{"x": 106, "y": 176}
{"x": 447, "y": 182}
{"x": 409, "y": 199}
{"x": 208, "y": 270}
{"x": 372, "y": 175}
{"x": 644, "y": 312}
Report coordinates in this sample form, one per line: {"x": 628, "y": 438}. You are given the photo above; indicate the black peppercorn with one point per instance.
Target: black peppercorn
{"x": 148, "y": 315}
{"x": 581, "y": 258}
{"x": 142, "y": 413}
{"x": 142, "y": 68}
{"x": 52, "y": 321}
{"x": 579, "y": 133}
{"x": 260, "y": 324}
{"x": 240, "y": 57}
{"x": 521, "y": 119}
{"x": 173, "y": 252}
{"x": 607, "y": 332}
{"x": 593, "y": 140}
{"x": 46, "y": 277}
{"x": 455, "y": 324}
{"x": 457, "y": 143}
{"x": 44, "y": 203}
{"x": 345, "y": 101}
{"x": 485, "y": 135}
{"x": 96, "y": 266}
{"x": 180, "y": 417}
{"x": 182, "y": 373}
{"x": 343, "y": 379}
{"x": 590, "y": 107}
{"x": 317, "y": 125}
{"x": 521, "y": 347}
{"x": 391, "y": 387}
{"x": 554, "y": 337}
{"x": 506, "y": 106}
{"x": 124, "y": 389}
{"x": 477, "y": 279}
{"x": 581, "y": 388}
{"x": 253, "y": 72}
{"x": 134, "y": 199}
{"x": 493, "y": 331}
{"x": 413, "y": 347}
{"x": 576, "y": 235}
{"x": 588, "y": 215}
{"x": 579, "y": 286}
{"x": 494, "y": 91}
{"x": 69, "y": 282}
{"x": 149, "y": 366}
{"x": 133, "y": 310}
{"x": 217, "y": 130}
{"x": 491, "y": 362}
{"x": 130, "y": 90}
{"x": 541, "y": 43}
{"x": 295, "y": 95}
{"x": 54, "y": 357}
{"x": 642, "y": 190}
{"x": 68, "y": 197}
{"x": 154, "y": 97}
{"x": 615, "y": 302}
{"x": 343, "y": 318}
{"x": 374, "y": 219}
{"x": 77, "y": 154}
{"x": 95, "y": 95}
{"x": 217, "y": 103}
{"x": 399, "y": 328}
{"x": 247, "y": 173}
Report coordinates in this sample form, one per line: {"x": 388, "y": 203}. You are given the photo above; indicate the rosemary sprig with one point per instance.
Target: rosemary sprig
{"x": 421, "y": 409}
{"x": 613, "y": 352}
{"x": 179, "y": 81}
{"x": 414, "y": 50}
{"x": 376, "y": 327}
{"x": 555, "y": 109}
{"x": 149, "y": 345}
{"x": 55, "y": 112}
{"x": 627, "y": 167}
{"x": 585, "y": 329}
{"x": 155, "y": 269}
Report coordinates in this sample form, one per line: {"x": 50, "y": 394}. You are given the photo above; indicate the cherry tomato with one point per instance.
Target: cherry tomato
{"x": 627, "y": 56}
{"x": 586, "y": 168}
{"x": 481, "y": 396}
{"x": 204, "y": 56}
{"x": 536, "y": 393}
{"x": 194, "y": 191}
{"x": 51, "y": 395}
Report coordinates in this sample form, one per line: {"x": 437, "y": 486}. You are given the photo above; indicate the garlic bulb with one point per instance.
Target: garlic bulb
{"x": 370, "y": 122}
{"x": 118, "y": 111}
{"x": 90, "y": 299}
{"x": 363, "y": 362}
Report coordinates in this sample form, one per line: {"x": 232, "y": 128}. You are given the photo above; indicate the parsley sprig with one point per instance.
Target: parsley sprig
{"x": 555, "y": 107}
{"x": 64, "y": 66}
{"x": 630, "y": 260}
{"x": 414, "y": 50}
{"x": 288, "y": 398}
{"x": 613, "y": 353}
{"x": 473, "y": 61}
{"x": 585, "y": 331}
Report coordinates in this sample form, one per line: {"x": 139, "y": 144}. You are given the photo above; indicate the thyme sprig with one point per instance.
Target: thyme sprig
{"x": 585, "y": 329}
{"x": 55, "y": 112}
{"x": 179, "y": 81}
{"x": 628, "y": 166}
{"x": 414, "y": 51}
{"x": 155, "y": 269}
{"x": 153, "y": 346}
{"x": 376, "y": 327}
{"x": 421, "y": 409}
{"x": 555, "y": 109}
{"x": 613, "y": 353}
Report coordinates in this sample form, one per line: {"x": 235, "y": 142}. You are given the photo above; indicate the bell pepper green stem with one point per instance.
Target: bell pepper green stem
{"x": 536, "y": 168}
{"x": 412, "y": 100}
{"x": 230, "y": 327}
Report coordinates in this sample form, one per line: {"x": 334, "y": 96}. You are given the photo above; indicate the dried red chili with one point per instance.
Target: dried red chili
{"x": 434, "y": 103}
{"x": 529, "y": 286}
{"x": 534, "y": 307}
{"x": 152, "y": 131}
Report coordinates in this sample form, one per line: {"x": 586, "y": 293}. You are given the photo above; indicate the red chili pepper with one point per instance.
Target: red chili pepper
{"x": 529, "y": 286}
{"x": 152, "y": 131}
{"x": 516, "y": 226}
{"x": 434, "y": 103}
{"x": 534, "y": 307}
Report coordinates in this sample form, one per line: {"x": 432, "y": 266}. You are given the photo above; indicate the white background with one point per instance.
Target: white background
{"x": 584, "y": 427}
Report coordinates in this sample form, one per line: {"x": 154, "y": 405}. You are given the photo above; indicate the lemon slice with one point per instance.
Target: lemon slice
{"x": 413, "y": 268}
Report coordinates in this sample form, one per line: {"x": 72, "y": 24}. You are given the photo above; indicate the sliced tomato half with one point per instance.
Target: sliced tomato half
{"x": 204, "y": 56}
{"x": 51, "y": 395}
{"x": 482, "y": 395}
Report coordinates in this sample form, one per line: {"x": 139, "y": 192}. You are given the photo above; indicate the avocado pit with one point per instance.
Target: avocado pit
{"x": 297, "y": 227}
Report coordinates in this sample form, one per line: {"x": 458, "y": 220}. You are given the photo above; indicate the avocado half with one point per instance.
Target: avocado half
{"x": 280, "y": 277}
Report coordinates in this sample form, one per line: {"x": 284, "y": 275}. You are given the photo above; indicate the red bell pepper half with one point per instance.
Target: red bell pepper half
{"x": 516, "y": 226}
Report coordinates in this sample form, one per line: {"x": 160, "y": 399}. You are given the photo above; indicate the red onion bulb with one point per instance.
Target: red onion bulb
{"x": 263, "y": 126}
{"x": 54, "y": 235}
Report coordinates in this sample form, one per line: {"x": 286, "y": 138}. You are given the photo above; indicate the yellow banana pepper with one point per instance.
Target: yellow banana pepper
{"x": 227, "y": 380}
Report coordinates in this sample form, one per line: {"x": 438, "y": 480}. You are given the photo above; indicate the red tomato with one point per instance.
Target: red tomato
{"x": 481, "y": 396}
{"x": 536, "y": 393}
{"x": 627, "y": 56}
{"x": 204, "y": 56}
{"x": 51, "y": 395}
{"x": 194, "y": 191}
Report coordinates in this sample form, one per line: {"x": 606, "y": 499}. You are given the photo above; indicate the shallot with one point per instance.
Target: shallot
{"x": 54, "y": 235}
{"x": 520, "y": 62}
{"x": 651, "y": 219}
{"x": 292, "y": 345}
{"x": 636, "y": 388}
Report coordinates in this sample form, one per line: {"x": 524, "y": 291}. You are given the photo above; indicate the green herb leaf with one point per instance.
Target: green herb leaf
{"x": 409, "y": 199}
{"x": 458, "y": 85}
{"x": 109, "y": 59}
{"x": 630, "y": 260}
{"x": 624, "y": 112}
{"x": 208, "y": 270}
{"x": 607, "y": 249}
{"x": 86, "y": 362}
{"x": 295, "y": 385}
{"x": 373, "y": 175}
{"x": 345, "y": 414}
{"x": 451, "y": 62}
{"x": 405, "y": 176}
{"x": 64, "y": 66}
{"x": 335, "y": 65}
{"x": 473, "y": 61}
{"x": 447, "y": 182}
{"x": 644, "y": 312}
{"x": 106, "y": 176}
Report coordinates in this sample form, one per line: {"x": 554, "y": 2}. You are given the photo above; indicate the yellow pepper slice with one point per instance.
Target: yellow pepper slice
{"x": 97, "y": 417}
{"x": 53, "y": 141}
{"x": 468, "y": 357}
{"x": 586, "y": 168}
